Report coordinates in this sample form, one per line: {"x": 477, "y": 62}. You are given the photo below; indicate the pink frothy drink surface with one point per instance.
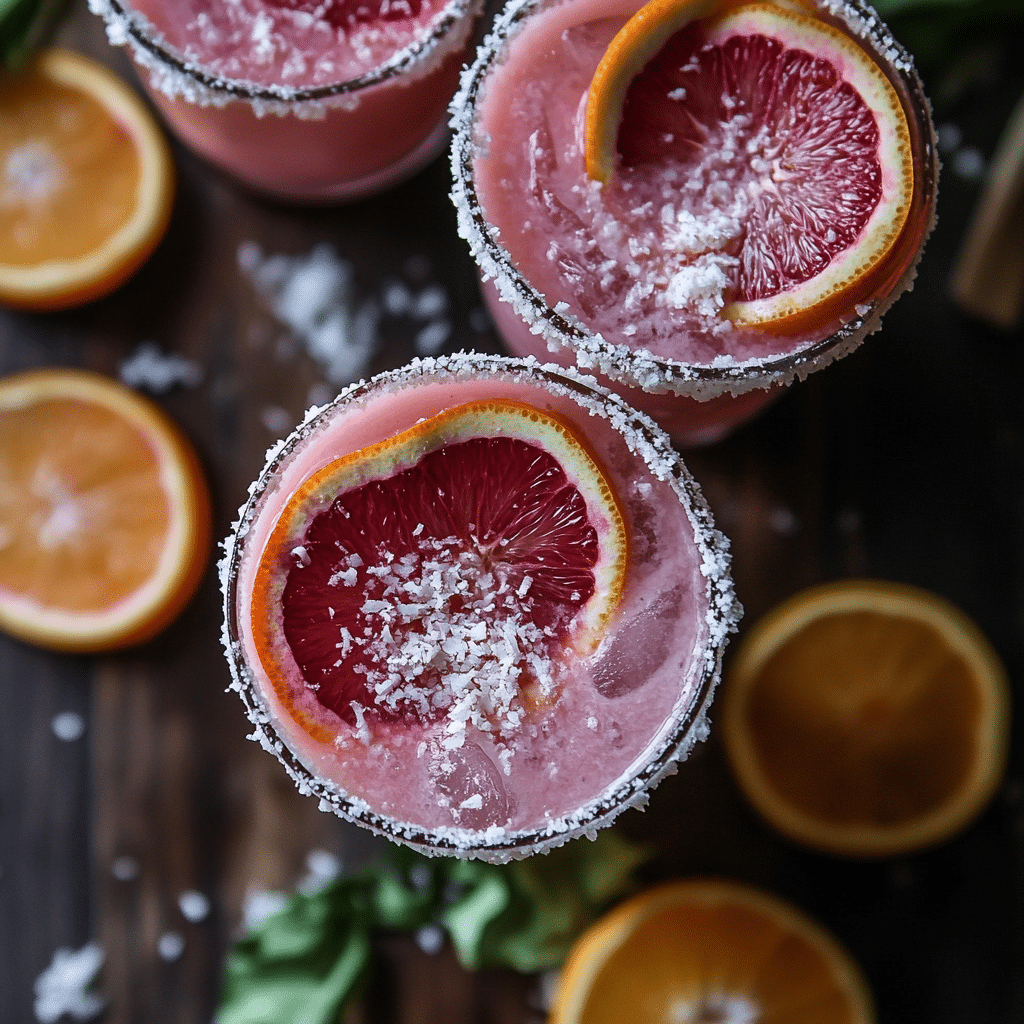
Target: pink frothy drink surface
{"x": 612, "y": 720}
{"x": 648, "y": 263}
{"x": 297, "y": 99}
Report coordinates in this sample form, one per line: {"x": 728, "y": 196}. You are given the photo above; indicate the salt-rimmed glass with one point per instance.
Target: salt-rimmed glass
{"x": 676, "y": 693}
{"x": 334, "y": 141}
{"x": 696, "y": 402}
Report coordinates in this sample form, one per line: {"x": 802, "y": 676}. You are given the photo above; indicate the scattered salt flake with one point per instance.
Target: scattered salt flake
{"x": 313, "y": 296}
{"x": 969, "y": 163}
{"x": 430, "y": 303}
{"x": 276, "y": 420}
{"x": 949, "y": 136}
{"x": 322, "y": 867}
{"x": 319, "y": 394}
{"x": 420, "y": 876}
{"x": 68, "y": 726}
{"x": 194, "y": 906}
{"x": 430, "y": 938}
{"x": 63, "y": 987}
{"x": 592, "y": 722}
{"x": 543, "y": 998}
{"x": 125, "y": 868}
{"x": 260, "y": 905}
{"x": 150, "y": 369}
{"x": 472, "y": 803}
{"x": 432, "y": 338}
{"x": 170, "y": 946}
{"x": 479, "y": 320}
{"x": 30, "y": 174}
{"x": 736, "y": 1009}
{"x": 783, "y": 522}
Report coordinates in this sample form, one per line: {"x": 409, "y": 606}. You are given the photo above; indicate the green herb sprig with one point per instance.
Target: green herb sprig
{"x": 306, "y": 962}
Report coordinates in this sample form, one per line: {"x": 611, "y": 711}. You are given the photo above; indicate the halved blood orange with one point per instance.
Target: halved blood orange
{"x": 460, "y": 550}
{"x": 709, "y": 950}
{"x": 795, "y": 127}
{"x": 866, "y": 718}
{"x": 86, "y": 182}
{"x": 104, "y": 513}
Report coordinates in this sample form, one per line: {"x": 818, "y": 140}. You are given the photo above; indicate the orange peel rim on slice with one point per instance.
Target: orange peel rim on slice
{"x": 61, "y": 284}
{"x": 184, "y": 556}
{"x": 783, "y": 622}
{"x": 393, "y": 454}
{"x": 855, "y": 275}
{"x": 852, "y": 276}
{"x": 594, "y": 948}
{"x": 643, "y": 35}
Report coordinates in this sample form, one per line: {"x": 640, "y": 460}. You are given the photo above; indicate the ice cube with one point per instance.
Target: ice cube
{"x": 639, "y": 648}
{"x": 471, "y": 786}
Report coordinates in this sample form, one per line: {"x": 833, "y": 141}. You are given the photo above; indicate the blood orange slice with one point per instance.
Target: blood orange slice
{"x": 437, "y": 572}
{"x": 790, "y": 123}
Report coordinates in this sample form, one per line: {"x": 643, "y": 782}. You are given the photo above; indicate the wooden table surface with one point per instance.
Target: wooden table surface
{"x": 904, "y": 461}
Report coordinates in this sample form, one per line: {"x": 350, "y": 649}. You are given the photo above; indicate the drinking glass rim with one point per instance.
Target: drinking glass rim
{"x": 638, "y": 367}
{"x": 666, "y": 749}
{"x": 146, "y": 37}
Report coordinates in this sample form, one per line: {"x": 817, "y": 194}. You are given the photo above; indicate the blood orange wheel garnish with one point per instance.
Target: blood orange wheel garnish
{"x": 86, "y": 182}
{"x": 104, "y": 513}
{"x": 800, "y": 133}
{"x": 707, "y": 949}
{"x": 438, "y": 568}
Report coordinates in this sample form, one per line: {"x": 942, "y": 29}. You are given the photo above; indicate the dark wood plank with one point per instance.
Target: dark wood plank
{"x": 905, "y": 461}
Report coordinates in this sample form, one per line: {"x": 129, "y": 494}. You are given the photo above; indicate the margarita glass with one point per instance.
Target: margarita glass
{"x": 616, "y": 717}
{"x": 551, "y": 251}
{"x": 296, "y": 103}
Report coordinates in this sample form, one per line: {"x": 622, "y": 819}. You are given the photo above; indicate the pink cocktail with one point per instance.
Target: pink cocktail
{"x": 297, "y": 100}
{"x": 637, "y": 280}
{"x": 575, "y": 733}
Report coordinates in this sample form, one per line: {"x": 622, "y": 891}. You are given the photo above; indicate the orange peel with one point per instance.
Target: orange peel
{"x": 104, "y": 513}
{"x": 866, "y": 719}
{"x": 87, "y": 182}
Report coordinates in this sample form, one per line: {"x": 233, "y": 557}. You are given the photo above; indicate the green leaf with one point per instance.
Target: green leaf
{"x": 305, "y": 962}
{"x": 486, "y": 897}
{"x": 554, "y": 898}
{"x": 25, "y": 25}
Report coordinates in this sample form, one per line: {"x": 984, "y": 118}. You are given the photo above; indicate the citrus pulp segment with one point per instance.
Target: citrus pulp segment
{"x": 796, "y": 128}
{"x": 867, "y": 719}
{"x": 426, "y": 552}
{"x": 634, "y": 45}
{"x": 104, "y": 513}
{"x": 86, "y": 182}
{"x": 709, "y": 950}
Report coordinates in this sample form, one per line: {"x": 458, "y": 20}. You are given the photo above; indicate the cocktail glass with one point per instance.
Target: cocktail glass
{"x": 623, "y": 715}
{"x": 699, "y": 397}
{"x": 300, "y": 135}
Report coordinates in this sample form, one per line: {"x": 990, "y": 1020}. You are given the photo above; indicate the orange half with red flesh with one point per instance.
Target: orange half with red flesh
{"x": 820, "y": 172}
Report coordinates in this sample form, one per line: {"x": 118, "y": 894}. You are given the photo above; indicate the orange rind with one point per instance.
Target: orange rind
{"x": 87, "y": 182}
{"x": 709, "y": 950}
{"x": 104, "y": 513}
{"x": 866, "y": 718}
{"x": 404, "y": 451}
{"x": 812, "y": 247}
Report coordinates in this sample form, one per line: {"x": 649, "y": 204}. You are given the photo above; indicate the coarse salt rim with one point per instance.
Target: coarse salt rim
{"x": 175, "y": 75}
{"x": 646, "y": 441}
{"x": 637, "y": 366}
